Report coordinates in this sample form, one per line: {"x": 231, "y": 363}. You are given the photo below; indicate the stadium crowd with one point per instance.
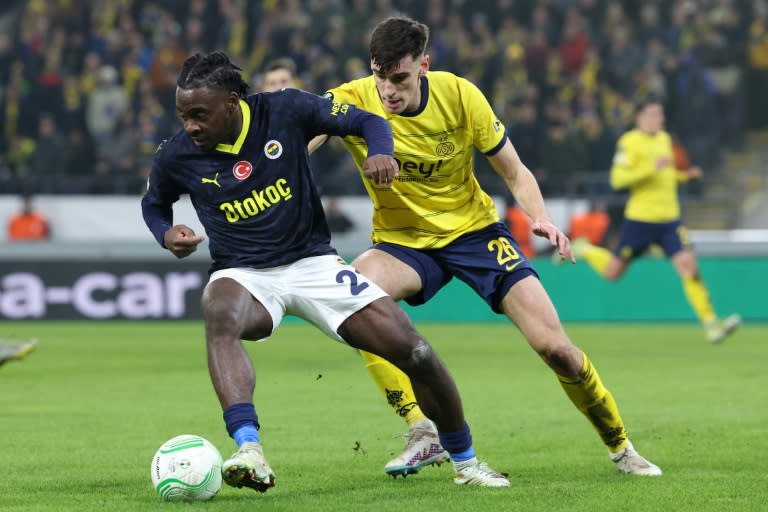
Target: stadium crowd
{"x": 87, "y": 87}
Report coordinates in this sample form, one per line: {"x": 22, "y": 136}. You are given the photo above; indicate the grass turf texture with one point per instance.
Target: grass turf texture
{"x": 82, "y": 415}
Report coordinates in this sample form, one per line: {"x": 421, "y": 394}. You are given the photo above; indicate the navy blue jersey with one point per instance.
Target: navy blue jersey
{"x": 256, "y": 198}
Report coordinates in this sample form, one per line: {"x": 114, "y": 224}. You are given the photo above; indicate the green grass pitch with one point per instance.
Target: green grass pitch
{"x": 82, "y": 415}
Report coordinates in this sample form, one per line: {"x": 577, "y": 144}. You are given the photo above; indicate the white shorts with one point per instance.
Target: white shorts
{"x": 323, "y": 290}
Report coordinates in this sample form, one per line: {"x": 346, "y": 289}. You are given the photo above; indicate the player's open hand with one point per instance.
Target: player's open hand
{"x": 382, "y": 169}
{"x": 181, "y": 240}
{"x": 694, "y": 172}
{"x": 557, "y": 238}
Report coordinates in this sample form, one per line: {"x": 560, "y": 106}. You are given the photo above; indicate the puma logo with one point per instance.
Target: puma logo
{"x": 209, "y": 180}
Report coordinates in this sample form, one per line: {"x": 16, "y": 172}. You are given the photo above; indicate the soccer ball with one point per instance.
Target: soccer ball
{"x": 186, "y": 468}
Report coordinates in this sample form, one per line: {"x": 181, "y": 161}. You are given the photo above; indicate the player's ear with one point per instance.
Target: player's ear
{"x": 424, "y": 65}
{"x": 233, "y": 101}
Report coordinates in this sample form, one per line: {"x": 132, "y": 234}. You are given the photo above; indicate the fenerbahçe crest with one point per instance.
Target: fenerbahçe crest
{"x": 273, "y": 149}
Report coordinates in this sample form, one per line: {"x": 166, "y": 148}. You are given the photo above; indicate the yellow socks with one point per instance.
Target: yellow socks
{"x": 695, "y": 291}
{"x": 396, "y": 386}
{"x": 596, "y": 257}
{"x": 698, "y": 298}
{"x": 588, "y": 394}
{"x": 586, "y": 391}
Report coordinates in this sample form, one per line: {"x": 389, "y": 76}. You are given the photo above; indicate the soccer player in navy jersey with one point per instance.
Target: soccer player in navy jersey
{"x": 243, "y": 161}
{"x": 435, "y": 223}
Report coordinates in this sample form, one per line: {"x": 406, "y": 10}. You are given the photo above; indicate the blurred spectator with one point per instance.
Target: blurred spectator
{"x": 541, "y": 21}
{"x": 600, "y": 142}
{"x": 18, "y": 109}
{"x": 46, "y": 170}
{"x": 758, "y": 66}
{"x": 723, "y": 49}
{"x": 166, "y": 63}
{"x": 527, "y": 134}
{"x": 77, "y": 162}
{"x": 28, "y": 225}
{"x": 695, "y": 100}
{"x": 650, "y": 25}
{"x": 562, "y": 153}
{"x": 598, "y": 55}
{"x": 48, "y": 90}
{"x": 520, "y": 226}
{"x": 536, "y": 57}
{"x": 278, "y": 74}
{"x": 575, "y": 42}
{"x": 6, "y": 54}
{"x": 592, "y": 224}
{"x": 106, "y": 104}
{"x": 682, "y": 160}
{"x": 123, "y": 154}
{"x": 622, "y": 60}
{"x": 72, "y": 105}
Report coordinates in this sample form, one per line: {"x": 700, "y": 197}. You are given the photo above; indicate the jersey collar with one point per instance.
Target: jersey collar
{"x": 235, "y": 148}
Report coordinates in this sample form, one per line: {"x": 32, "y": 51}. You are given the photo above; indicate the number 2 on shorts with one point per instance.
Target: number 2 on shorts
{"x": 354, "y": 287}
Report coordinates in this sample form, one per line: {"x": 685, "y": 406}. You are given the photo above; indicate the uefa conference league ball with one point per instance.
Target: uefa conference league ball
{"x": 186, "y": 468}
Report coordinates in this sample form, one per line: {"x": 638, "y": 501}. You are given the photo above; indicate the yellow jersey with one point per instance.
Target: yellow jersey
{"x": 436, "y": 198}
{"x": 644, "y": 163}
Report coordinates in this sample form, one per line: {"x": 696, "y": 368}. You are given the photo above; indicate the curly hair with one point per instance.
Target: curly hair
{"x": 212, "y": 70}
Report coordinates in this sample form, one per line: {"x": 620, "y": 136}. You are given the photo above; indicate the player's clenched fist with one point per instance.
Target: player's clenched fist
{"x": 181, "y": 240}
{"x": 382, "y": 169}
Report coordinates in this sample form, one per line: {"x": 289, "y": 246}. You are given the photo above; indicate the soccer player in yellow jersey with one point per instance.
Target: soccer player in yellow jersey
{"x": 434, "y": 222}
{"x": 644, "y": 164}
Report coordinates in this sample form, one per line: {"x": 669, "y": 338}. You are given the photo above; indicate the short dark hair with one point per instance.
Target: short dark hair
{"x": 646, "y": 102}
{"x": 395, "y": 38}
{"x": 213, "y": 70}
{"x": 286, "y": 63}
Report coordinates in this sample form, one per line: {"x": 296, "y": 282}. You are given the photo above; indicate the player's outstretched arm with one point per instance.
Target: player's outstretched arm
{"x": 181, "y": 240}
{"x": 694, "y": 172}
{"x": 316, "y": 142}
{"x": 525, "y": 189}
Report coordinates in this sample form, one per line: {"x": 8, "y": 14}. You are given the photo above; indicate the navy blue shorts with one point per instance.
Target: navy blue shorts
{"x": 488, "y": 260}
{"x": 635, "y": 237}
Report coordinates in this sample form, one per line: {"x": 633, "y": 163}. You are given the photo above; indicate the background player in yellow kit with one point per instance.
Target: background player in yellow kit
{"x": 644, "y": 164}
{"x": 435, "y": 222}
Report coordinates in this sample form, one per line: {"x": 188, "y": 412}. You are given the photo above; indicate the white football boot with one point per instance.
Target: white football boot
{"x": 248, "y": 468}
{"x": 422, "y": 448}
{"x": 721, "y": 329}
{"x": 630, "y": 462}
{"x": 473, "y": 472}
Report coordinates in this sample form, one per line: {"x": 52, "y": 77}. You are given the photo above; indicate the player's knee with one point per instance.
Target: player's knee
{"x": 366, "y": 264}
{"x": 559, "y": 362}
{"x": 220, "y": 318}
{"x": 420, "y": 355}
{"x": 414, "y": 357}
{"x": 563, "y": 357}
{"x": 216, "y": 310}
